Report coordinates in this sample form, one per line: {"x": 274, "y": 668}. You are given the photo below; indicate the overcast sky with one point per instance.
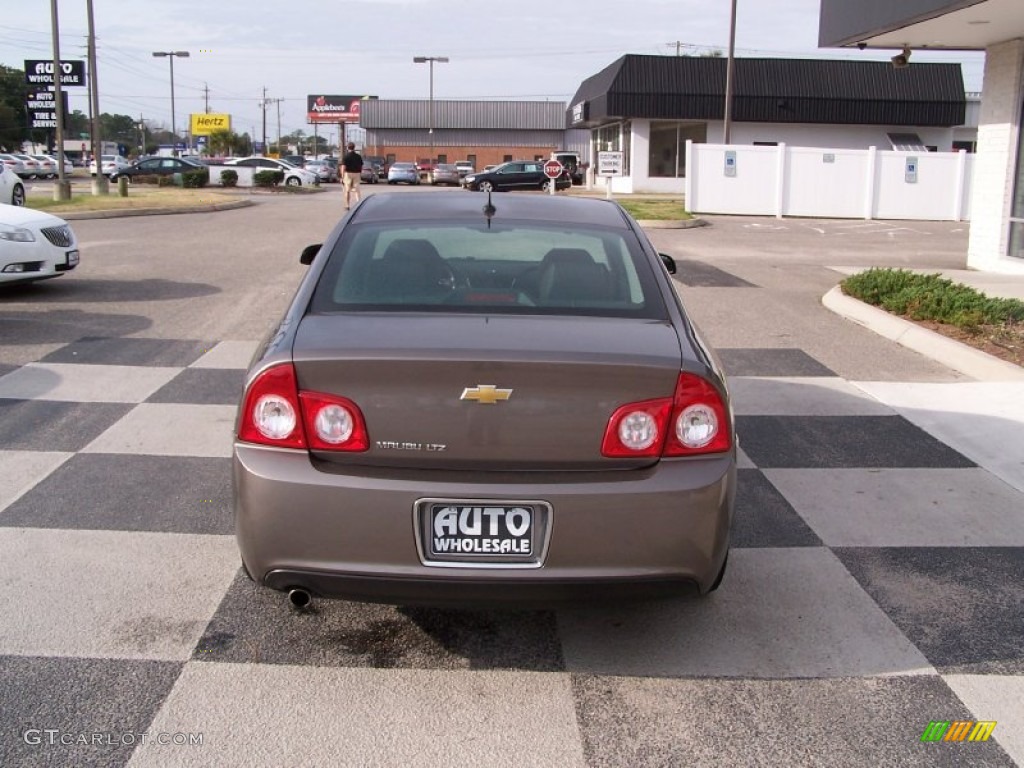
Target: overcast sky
{"x": 516, "y": 49}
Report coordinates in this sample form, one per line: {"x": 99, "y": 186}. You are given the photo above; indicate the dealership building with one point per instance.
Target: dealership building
{"x": 996, "y": 27}
{"x": 648, "y": 107}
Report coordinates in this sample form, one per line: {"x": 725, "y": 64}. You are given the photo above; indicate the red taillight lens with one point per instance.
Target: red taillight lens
{"x": 700, "y": 420}
{"x": 270, "y": 413}
{"x": 276, "y": 413}
{"x": 333, "y": 423}
{"x": 637, "y": 429}
{"x": 694, "y": 421}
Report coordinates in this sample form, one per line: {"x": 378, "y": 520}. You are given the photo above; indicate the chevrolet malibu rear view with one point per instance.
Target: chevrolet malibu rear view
{"x": 468, "y": 405}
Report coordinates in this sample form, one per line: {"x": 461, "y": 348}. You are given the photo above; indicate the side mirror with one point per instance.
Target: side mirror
{"x": 669, "y": 262}
{"x": 309, "y": 253}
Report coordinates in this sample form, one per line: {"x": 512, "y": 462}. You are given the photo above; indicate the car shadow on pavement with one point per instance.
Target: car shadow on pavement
{"x": 148, "y": 289}
{"x": 65, "y": 325}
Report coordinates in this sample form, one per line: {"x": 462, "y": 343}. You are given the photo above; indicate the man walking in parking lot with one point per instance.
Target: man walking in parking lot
{"x": 352, "y": 163}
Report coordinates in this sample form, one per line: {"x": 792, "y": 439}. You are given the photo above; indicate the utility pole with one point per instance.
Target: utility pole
{"x": 62, "y": 189}
{"x": 278, "y": 103}
{"x": 99, "y": 184}
{"x": 206, "y": 96}
{"x": 678, "y": 44}
{"x": 263, "y": 106}
{"x": 729, "y": 71}
{"x": 142, "y": 135}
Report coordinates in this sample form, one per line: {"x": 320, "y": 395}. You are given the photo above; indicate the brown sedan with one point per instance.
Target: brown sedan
{"x": 474, "y": 405}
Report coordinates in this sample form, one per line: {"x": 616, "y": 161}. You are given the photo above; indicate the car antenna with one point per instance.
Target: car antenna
{"x": 489, "y": 209}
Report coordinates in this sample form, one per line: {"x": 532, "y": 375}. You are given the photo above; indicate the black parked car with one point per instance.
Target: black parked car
{"x": 518, "y": 174}
{"x": 158, "y": 166}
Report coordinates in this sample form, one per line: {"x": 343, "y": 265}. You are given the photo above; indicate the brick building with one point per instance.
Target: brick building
{"x": 483, "y": 132}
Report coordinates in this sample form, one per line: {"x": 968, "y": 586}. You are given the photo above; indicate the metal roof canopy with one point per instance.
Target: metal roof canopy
{"x": 920, "y": 24}
{"x": 832, "y": 91}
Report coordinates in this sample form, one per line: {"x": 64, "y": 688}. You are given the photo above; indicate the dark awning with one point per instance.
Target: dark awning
{"x": 831, "y": 91}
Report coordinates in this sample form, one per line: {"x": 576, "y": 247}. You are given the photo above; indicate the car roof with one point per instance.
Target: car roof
{"x": 570, "y": 210}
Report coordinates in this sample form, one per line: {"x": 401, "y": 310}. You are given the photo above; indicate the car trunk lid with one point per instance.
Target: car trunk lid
{"x": 486, "y": 392}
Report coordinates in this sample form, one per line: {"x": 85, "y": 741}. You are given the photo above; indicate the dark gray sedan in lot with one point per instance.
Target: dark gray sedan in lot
{"x": 471, "y": 404}
{"x": 518, "y": 174}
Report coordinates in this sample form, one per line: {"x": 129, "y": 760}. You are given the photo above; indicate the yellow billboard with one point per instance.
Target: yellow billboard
{"x": 204, "y": 124}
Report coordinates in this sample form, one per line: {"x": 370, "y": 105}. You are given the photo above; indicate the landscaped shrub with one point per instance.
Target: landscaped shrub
{"x": 229, "y": 178}
{"x": 195, "y": 179}
{"x": 931, "y": 297}
{"x": 268, "y": 178}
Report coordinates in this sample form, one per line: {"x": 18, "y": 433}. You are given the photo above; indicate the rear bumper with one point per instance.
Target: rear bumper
{"x": 473, "y": 592}
{"x": 352, "y": 534}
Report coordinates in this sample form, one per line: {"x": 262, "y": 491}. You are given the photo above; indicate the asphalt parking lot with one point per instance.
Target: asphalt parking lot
{"x": 874, "y": 585}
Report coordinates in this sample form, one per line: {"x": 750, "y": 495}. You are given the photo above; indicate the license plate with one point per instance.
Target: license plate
{"x": 482, "y": 531}
{"x": 72, "y": 258}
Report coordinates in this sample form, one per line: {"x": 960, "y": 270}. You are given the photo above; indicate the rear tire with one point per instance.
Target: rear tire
{"x": 293, "y": 181}
{"x": 18, "y": 195}
{"x": 485, "y": 186}
{"x": 721, "y": 574}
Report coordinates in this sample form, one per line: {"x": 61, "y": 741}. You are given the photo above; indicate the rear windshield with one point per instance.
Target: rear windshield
{"x": 512, "y": 268}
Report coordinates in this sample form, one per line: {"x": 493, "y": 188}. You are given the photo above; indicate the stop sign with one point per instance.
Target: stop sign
{"x": 553, "y": 169}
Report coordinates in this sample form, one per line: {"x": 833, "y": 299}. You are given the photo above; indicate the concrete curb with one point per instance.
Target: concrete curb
{"x": 949, "y": 352}
{"x": 117, "y": 213}
{"x": 671, "y": 223}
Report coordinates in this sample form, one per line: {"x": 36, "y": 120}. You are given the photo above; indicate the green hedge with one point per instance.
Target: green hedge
{"x": 229, "y": 178}
{"x": 268, "y": 178}
{"x": 931, "y": 297}
{"x": 195, "y": 179}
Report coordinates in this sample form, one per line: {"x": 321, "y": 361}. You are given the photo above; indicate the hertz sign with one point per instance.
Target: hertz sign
{"x": 205, "y": 124}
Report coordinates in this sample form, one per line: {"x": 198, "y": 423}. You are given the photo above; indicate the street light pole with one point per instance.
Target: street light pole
{"x": 171, "y": 55}
{"x": 430, "y": 109}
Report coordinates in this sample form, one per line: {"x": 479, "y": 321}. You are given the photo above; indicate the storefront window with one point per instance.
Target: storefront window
{"x": 668, "y": 146}
{"x": 1016, "y": 249}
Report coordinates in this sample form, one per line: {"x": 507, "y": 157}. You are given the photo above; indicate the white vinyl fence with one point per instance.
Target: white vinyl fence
{"x": 828, "y": 183}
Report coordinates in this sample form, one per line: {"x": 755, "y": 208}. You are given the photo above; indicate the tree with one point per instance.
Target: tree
{"x": 13, "y": 117}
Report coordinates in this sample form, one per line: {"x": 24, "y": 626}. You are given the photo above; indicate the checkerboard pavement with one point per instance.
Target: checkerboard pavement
{"x": 875, "y": 584}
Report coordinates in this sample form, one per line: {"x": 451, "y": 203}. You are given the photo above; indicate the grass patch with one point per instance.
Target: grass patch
{"x": 138, "y": 197}
{"x": 656, "y": 210}
{"x": 994, "y": 325}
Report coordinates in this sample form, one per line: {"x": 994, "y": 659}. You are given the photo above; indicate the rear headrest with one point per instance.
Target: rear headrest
{"x": 567, "y": 256}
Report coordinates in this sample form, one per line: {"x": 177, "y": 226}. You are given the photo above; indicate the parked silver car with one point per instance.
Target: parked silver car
{"x": 403, "y": 173}
{"x": 444, "y": 173}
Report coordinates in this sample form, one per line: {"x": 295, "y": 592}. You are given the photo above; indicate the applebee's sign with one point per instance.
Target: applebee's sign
{"x": 333, "y": 109}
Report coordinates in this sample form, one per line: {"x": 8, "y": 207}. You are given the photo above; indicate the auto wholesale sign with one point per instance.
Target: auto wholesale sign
{"x": 42, "y": 109}
{"x": 333, "y": 109}
{"x": 41, "y": 72}
{"x": 203, "y": 124}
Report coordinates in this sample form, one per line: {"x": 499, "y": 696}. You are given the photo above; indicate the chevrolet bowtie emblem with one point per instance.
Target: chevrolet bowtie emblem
{"x": 487, "y": 394}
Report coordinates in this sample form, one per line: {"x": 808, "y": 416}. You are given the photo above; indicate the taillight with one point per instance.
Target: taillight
{"x": 270, "y": 412}
{"x": 637, "y": 429}
{"x": 693, "y": 421}
{"x": 333, "y": 423}
{"x": 700, "y": 420}
{"x": 276, "y": 413}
